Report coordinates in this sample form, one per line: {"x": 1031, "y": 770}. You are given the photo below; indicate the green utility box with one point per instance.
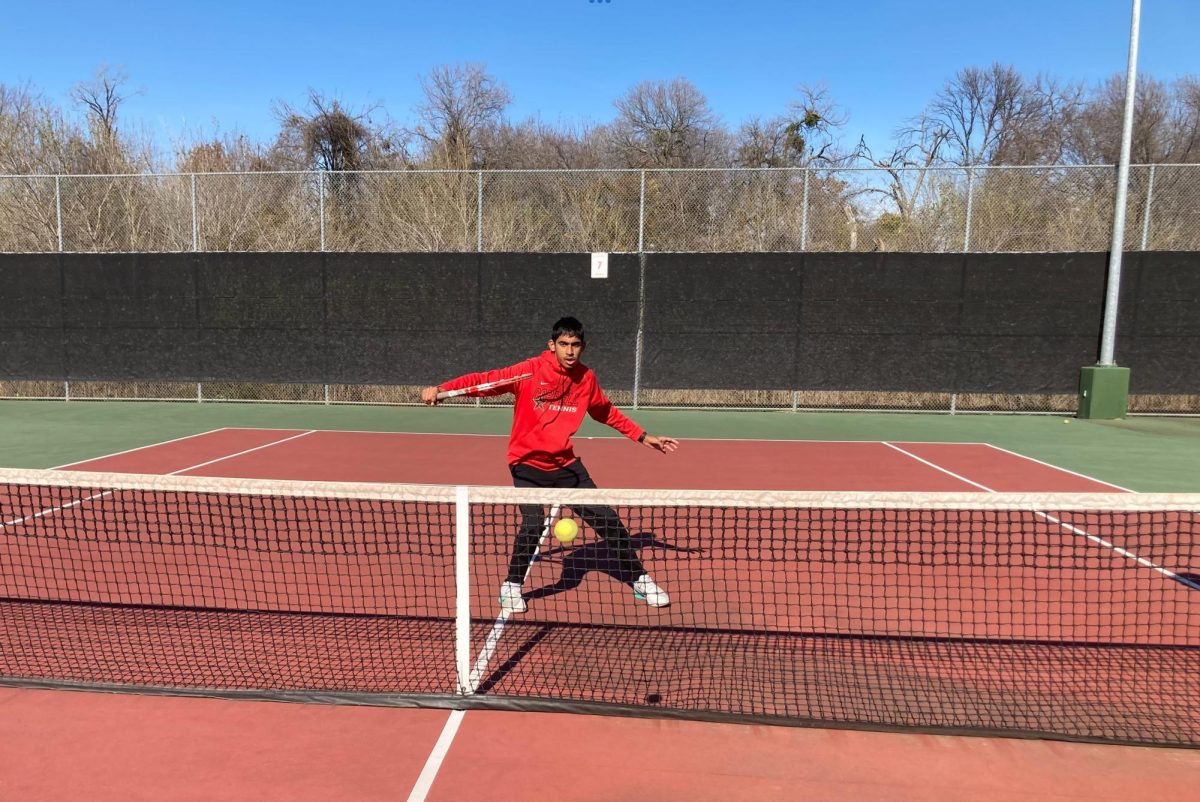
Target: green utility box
{"x": 1103, "y": 392}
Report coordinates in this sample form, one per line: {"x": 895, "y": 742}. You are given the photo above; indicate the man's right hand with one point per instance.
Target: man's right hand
{"x": 429, "y": 396}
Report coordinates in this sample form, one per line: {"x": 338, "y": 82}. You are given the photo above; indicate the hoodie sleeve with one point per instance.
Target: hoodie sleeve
{"x": 604, "y": 411}
{"x": 499, "y": 374}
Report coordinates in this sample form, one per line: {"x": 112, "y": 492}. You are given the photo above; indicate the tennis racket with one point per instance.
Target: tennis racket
{"x": 479, "y": 388}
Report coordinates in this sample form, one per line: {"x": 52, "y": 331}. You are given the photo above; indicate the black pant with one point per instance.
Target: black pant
{"x": 604, "y": 520}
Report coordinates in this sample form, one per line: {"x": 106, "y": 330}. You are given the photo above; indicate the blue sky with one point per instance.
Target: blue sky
{"x": 222, "y": 64}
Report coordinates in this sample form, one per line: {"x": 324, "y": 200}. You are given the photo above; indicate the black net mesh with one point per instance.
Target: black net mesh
{"x": 1074, "y": 616}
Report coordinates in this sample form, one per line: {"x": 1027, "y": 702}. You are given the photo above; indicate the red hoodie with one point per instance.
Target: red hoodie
{"x": 549, "y": 408}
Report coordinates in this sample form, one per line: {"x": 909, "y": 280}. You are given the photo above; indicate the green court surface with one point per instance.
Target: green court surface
{"x": 1144, "y": 454}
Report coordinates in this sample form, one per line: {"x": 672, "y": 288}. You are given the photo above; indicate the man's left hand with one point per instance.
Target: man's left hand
{"x": 664, "y": 444}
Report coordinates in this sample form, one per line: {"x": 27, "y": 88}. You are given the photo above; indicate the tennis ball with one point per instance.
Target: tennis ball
{"x": 566, "y": 530}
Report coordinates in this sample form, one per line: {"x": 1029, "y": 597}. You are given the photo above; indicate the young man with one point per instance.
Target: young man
{"x": 549, "y": 409}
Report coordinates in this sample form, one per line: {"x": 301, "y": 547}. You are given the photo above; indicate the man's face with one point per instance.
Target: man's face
{"x": 567, "y": 349}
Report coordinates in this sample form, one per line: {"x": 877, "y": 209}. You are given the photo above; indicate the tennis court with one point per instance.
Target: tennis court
{"x": 214, "y": 581}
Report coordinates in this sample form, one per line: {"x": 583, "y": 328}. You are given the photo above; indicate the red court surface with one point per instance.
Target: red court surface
{"x": 148, "y": 747}
{"x": 612, "y": 462}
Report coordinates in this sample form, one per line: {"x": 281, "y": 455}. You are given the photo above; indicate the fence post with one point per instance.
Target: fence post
{"x": 321, "y": 204}
{"x": 479, "y": 212}
{"x": 970, "y": 207}
{"x": 641, "y": 308}
{"x": 638, "y": 341}
{"x": 58, "y": 212}
{"x": 195, "y": 220}
{"x": 1146, "y": 212}
{"x": 642, "y": 214}
{"x": 804, "y": 215}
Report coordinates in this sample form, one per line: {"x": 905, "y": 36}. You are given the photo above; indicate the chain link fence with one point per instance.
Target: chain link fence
{"x": 930, "y": 210}
{"x": 410, "y": 395}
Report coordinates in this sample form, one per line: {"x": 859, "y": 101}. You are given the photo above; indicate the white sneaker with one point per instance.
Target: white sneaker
{"x": 646, "y": 589}
{"x": 511, "y": 598}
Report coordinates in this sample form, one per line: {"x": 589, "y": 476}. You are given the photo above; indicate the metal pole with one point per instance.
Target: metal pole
{"x": 479, "y": 212}
{"x": 642, "y": 214}
{"x": 1146, "y": 213}
{"x": 639, "y": 341}
{"x": 1108, "y": 336}
{"x": 321, "y": 204}
{"x": 804, "y": 215}
{"x": 195, "y": 221}
{"x": 58, "y": 211}
{"x": 970, "y": 205}
{"x": 641, "y": 307}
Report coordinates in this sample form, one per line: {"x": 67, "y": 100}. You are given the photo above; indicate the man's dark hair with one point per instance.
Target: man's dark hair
{"x": 569, "y": 326}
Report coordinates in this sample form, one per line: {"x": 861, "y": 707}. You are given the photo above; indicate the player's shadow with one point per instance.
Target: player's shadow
{"x": 578, "y": 561}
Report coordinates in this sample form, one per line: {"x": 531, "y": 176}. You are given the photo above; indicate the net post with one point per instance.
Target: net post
{"x": 462, "y": 586}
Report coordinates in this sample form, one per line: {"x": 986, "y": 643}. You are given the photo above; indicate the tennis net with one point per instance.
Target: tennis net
{"x": 1073, "y": 616}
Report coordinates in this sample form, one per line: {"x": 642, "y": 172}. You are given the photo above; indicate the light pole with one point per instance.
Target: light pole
{"x": 1104, "y": 387}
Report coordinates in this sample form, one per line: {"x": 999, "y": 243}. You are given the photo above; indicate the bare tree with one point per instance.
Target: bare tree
{"x": 102, "y": 97}
{"x": 107, "y": 147}
{"x": 328, "y": 136}
{"x": 463, "y": 104}
{"x": 534, "y": 144}
{"x": 668, "y": 124}
{"x": 1166, "y": 122}
{"x": 806, "y": 135}
{"x": 229, "y": 153}
{"x": 907, "y": 166}
{"x": 994, "y": 115}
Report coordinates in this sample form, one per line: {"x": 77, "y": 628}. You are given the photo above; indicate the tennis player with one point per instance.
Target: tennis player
{"x": 553, "y": 392}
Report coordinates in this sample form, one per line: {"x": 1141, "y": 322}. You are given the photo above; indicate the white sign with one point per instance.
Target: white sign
{"x": 599, "y": 265}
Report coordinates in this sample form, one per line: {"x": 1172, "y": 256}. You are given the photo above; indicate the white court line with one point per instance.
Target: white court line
{"x": 946, "y": 471}
{"x": 139, "y": 448}
{"x": 1129, "y": 555}
{"x": 434, "y": 763}
{"x": 77, "y": 502}
{"x": 607, "y": 436}
{"x": 246, "y": 451}
{"x": 1064, "y": 470}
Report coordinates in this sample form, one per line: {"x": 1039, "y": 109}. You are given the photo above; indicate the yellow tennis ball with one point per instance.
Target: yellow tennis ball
{"x": 566, "y": 530}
